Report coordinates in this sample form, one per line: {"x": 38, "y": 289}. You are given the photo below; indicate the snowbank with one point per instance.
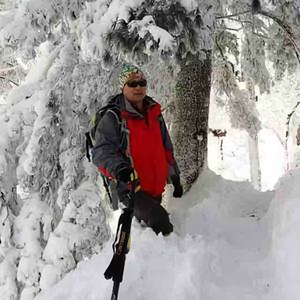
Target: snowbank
{"x": 286, "y": 236}
{"x": 225, "y": 247}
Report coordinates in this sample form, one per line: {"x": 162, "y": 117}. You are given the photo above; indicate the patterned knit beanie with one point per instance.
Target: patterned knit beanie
{"x": 129, "y": 73}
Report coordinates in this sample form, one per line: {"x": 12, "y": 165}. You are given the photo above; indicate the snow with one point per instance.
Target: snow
{"x": 93, "y": 44}
{"x": 231, "y": 242}
{"x": 147, "y": 25}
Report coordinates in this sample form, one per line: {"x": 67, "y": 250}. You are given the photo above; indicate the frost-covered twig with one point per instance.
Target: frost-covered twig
{"x": 233, "y": 29}
{"x": 8, "y": 69}
{"x": 287, "y": 132}
{"x": 6, "y": 215}
{"x": 281, "y": 23}
{"x": 2, "y": 77}
{"x": 289, "y": 116}
{"x": 242, "y": 21}
{"x": 220, "y": 49}
{"x": 261, "y": 36}
{"x": 286, "y": 28}
{"x": 234, "y": 15}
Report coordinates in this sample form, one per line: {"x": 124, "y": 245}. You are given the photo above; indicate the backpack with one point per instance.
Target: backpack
{"x": 95, "y": 120}
{"x": 90, "y": 143}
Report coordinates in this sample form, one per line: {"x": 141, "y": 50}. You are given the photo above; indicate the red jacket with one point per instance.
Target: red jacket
{"x": 149, "y": 156}
{"x": 149, "y": 145}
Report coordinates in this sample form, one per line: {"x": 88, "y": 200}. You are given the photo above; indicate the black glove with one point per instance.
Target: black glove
{"x": 178, "y": 190}
{"x": 128, "y": 181}
{"x": 124, "y": 174}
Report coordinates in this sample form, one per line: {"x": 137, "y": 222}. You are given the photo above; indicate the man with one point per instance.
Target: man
{"x": 132, "y": 140}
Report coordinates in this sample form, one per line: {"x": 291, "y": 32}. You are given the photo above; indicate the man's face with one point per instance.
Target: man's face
{"x": 134, "y": 91}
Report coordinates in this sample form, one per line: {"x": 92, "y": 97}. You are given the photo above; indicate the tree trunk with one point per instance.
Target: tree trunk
{"x": 255, "y": 170}
{"x": 190, "y": 126}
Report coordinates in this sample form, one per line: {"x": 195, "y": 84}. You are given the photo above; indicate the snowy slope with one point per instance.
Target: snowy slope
{"x": 232, "y": 243}
{"x": 286, "y": 237}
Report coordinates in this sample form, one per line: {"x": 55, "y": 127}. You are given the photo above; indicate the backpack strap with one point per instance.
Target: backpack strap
{"x": 125, "y": 139}
{"x": 101, "y": 113}
{"x": 88, "y": 145}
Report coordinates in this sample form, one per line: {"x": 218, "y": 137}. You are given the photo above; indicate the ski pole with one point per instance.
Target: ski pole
{"x": 115, "y": 291}
{"x": 115, "y": 269}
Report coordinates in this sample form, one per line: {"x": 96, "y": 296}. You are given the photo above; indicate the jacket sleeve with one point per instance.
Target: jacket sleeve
{"x": 106, "y": 154}
{"x": 173, "y": 167}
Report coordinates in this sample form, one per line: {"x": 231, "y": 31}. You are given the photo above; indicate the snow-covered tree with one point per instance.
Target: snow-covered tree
{"x": 59, "y": 218}
{"x": 65, "y": 57}
{"x": 179, "y": 36}
{"x": 197, "y": 36}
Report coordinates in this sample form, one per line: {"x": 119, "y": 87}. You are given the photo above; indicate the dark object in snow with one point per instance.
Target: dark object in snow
{"x": 256, "y": 7}
{"x": 298, "y": 136}
{"x": 218, "y": 132}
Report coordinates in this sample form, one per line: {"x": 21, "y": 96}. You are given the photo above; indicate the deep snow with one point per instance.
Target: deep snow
{"x": 231, "y": 242}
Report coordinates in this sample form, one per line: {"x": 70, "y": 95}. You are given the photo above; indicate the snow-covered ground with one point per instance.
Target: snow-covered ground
{"x": 231, "y": 242}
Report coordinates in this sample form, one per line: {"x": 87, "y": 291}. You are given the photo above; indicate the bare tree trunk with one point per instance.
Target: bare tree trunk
{"x": 190, "y": 126}
{"x": 255, "y": 170}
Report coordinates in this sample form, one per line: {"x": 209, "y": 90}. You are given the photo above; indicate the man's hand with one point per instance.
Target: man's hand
{"x": 128, "y": 181}
{"x": 129, "y": 176}
{"x": 125, "y": 174}
{"x": 178, "y": 190}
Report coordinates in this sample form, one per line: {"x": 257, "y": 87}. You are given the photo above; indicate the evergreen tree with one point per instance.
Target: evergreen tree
{"x": 173, "y": 29}
{"x": 59, "y": 217}
{"x": 65, "y": 57}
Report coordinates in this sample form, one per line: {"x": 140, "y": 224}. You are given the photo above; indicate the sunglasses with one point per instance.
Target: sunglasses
{"x": 134, "y": 84}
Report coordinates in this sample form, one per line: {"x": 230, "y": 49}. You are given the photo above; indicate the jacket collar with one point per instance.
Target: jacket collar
{"x": 128, "y": 110}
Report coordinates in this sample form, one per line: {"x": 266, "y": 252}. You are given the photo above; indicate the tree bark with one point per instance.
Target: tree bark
{"x": 255, "y": 170}
{"x": 190, "y": 126}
